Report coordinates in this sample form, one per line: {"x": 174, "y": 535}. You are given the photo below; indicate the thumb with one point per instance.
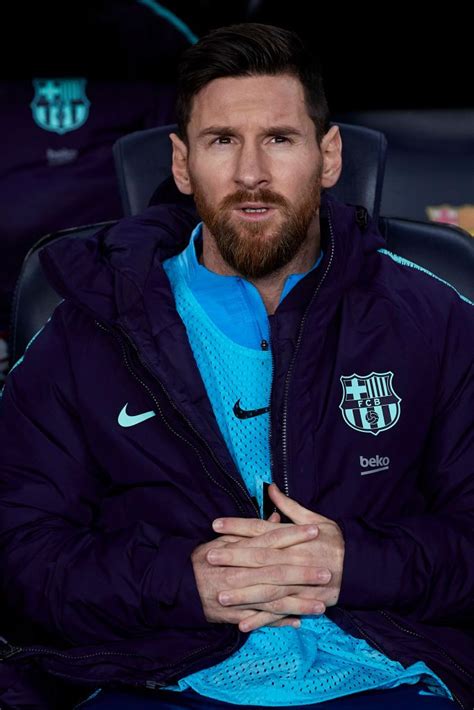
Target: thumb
{"x": 293, "y": 510}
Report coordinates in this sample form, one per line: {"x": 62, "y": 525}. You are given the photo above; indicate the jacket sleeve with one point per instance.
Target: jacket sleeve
{"x": 59, "y": 570}
{"x": 424, "y": 563}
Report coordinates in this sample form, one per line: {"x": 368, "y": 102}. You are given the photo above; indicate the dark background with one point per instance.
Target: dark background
{"x": 388, "y": 55}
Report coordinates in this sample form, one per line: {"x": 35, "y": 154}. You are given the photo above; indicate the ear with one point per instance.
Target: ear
{"x": 331, "y": 151}
{"x": 179, "y": 166}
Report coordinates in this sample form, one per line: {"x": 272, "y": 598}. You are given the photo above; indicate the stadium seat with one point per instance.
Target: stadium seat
{"x": 429, "y": 175}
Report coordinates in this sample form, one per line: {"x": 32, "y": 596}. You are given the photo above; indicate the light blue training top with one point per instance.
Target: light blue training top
{"x": 226, "y": 320}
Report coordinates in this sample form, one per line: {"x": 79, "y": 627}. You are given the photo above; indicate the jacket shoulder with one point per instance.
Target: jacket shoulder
{"x": 431, "y": 302}
{"x": 46, "y": 360}
{"x": 422, "y": 278}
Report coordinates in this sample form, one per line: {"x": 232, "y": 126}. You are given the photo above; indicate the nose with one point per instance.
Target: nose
{"x": 252, "y": 168}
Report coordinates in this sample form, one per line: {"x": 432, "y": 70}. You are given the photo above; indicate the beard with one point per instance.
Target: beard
{"x": 257, "y": 249}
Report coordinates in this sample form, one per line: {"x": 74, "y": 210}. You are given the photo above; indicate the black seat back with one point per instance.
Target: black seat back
{"x": 34, "y": 299}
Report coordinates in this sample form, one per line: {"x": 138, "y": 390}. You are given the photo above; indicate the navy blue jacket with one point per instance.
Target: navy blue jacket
{"x": 98, "y": 522}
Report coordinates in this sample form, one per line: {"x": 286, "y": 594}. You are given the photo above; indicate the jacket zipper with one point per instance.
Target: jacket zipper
{"x": 264, "y": 345}
{"x": 37, "y": 651}
{"x": 11, "y": 651}
{"x": 288, "y": 375}
{"x": 270, "y": 416}
{"x": 246, "y": 299}
{"x": 147, "y": 367}
{"x": 420, "y": 636}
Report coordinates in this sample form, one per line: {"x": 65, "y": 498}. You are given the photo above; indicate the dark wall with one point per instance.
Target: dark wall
{"x": 390, "y": 55}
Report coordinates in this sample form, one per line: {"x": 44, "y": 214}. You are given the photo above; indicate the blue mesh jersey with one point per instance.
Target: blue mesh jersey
{"x": 225, "y": 320}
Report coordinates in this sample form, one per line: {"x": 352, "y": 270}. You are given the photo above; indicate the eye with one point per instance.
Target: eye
{"x": 228, "y": 138}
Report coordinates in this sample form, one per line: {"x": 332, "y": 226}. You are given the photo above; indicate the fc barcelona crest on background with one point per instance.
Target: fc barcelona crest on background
{"x": 369, "y": 403}
{"x": 60, "y": 105}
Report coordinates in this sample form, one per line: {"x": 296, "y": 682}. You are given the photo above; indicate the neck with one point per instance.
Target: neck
{"x": 271, "y": 286}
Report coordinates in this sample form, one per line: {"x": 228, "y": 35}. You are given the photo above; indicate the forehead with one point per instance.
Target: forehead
{"x": 244, "y": 101}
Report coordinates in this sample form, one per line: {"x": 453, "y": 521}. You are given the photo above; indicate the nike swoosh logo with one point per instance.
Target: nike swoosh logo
{"x": 248, "y": 413}
{"x": 125, "y": 419}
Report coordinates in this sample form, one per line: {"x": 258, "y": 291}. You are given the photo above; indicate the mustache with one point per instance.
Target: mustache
{"x": 264, "y": 196}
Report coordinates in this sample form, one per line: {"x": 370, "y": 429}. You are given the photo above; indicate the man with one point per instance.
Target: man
{"x": 193, "y": 362}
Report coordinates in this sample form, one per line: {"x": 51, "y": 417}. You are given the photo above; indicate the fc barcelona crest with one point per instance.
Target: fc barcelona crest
{"x": 369, "y": 402}
{"x": 60, "y": 105}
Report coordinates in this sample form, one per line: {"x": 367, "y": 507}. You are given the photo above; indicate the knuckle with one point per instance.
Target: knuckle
{"x": 273, "y": 593}
{"x": 230, "y": 577}
{"x": 311, "y": 575}
{"x": 260, "y": 526}
{"x": 263, "y": 593}
{"x": 266, "y": 617}
{"x": 276, "y": 573}
{"x": 261, "y": 555}
{"x": 274, "y": 617}
{"x": 275, "y": 606}
{"x": 273, "y": 537}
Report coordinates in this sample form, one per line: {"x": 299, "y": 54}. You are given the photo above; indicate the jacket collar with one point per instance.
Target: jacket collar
{"x": 118, "y": 270}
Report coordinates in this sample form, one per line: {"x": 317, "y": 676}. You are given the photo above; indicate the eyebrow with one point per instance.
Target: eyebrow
{"x": 229, "y": 131}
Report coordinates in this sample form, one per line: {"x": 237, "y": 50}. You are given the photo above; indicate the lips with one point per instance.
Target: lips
{"x": 255, "y": 216}
{"x": 253, "y": 205}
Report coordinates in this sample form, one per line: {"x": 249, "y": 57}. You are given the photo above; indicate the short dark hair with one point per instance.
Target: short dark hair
{"x": 250, "y": 49}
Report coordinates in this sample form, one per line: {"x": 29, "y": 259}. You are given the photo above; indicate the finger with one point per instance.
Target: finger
{"x": 253, "y": 557}
{"x": 260, "y": 593}
{"x": 261, "y": 618}
{"x": 230, "y": 538}
{"x": 224, "y": 540}
{"x": 248, "y": 527}
{"x": 289, "y": 605}
{"x": 287, "y": 621}
{"x": 278, "y": 538}
{"x": 293, "y": 510}
{"x": 274, "y": 518}
{"x": 281, "y": 575}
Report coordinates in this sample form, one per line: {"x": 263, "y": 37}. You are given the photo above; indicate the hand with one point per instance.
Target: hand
{"x": 211, "y": 579}
{"x": 326, "y": 552}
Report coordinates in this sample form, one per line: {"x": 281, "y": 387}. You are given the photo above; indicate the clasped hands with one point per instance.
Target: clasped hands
{"x": 266, "y": 573}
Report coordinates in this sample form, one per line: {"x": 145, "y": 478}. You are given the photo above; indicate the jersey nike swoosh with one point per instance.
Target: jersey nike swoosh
{"x": 248, "y": 413}
{"x": 125, "y": 419}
